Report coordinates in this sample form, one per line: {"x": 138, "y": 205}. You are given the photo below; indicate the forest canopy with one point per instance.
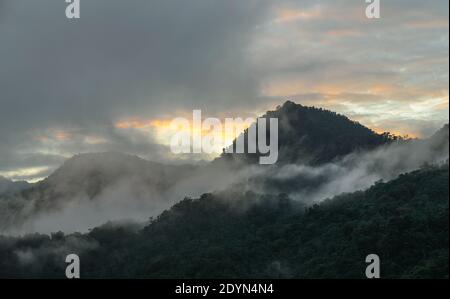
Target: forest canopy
{"x": 248, "y": 235}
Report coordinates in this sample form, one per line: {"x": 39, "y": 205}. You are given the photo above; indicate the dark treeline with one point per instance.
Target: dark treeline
{"x": 227, "y": 235}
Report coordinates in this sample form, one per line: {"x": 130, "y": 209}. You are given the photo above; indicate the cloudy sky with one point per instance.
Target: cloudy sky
{"x": 112, "y": 79}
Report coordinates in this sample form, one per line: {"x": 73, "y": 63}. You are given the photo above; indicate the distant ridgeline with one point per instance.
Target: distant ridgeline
{"x": 8, "y": 187}
{"x": 232, "y": 235}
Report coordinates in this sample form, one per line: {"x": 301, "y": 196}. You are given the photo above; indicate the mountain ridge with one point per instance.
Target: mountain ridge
{"x": 314, "y": 136}
{"x": 94, "y": 177}
{"x": 8, "y": 187}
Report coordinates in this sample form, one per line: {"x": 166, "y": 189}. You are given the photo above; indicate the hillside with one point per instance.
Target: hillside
{"x": 117, "y": 185}
{"x": 309, "y": 135}
{"x": 8, "y": 187}
{"x": 228, "y": 235}
{"x": 321, "y": 154}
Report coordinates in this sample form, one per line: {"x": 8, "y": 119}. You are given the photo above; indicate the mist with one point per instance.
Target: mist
{"x": 91, "y": 190}
{"x": 354, "y": 172}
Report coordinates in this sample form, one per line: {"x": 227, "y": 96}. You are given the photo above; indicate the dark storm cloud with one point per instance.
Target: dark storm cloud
{"x": 145, "y": 54}
{"x": 139, "y": 58}
{"x": 65, "y": 83}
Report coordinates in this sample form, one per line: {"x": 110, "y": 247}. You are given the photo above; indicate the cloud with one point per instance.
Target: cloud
{"x": 354, "y": 172}
{"x": 71, "y": 81}
{"x": 141, "y": 59}
{"x": 399, "y": 62}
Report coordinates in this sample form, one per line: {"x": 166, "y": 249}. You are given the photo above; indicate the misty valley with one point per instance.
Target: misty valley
{"x": 338, "y": 193}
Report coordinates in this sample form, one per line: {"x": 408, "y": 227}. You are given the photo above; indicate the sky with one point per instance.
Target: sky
{"x": 113, "y": 79}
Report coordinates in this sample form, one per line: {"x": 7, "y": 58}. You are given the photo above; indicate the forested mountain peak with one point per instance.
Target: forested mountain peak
{"x": 313, "y": 135}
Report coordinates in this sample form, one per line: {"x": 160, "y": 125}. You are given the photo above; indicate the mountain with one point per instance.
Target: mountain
{"x": 245, "y": 235}
{"x": 96, "y": 181}
{"x": 330, "y": 154}
{"x": 92, "y": 173}
{"x": 252, "y": 221}
{"x": 8, "y": 187}
{"x": 313, "y": 136}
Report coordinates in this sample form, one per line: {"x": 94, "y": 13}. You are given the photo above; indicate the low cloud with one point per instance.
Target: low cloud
{"x": 94, "y": 189}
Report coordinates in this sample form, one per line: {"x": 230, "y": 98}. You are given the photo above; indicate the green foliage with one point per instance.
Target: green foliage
{"x": 228, "y": 235}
